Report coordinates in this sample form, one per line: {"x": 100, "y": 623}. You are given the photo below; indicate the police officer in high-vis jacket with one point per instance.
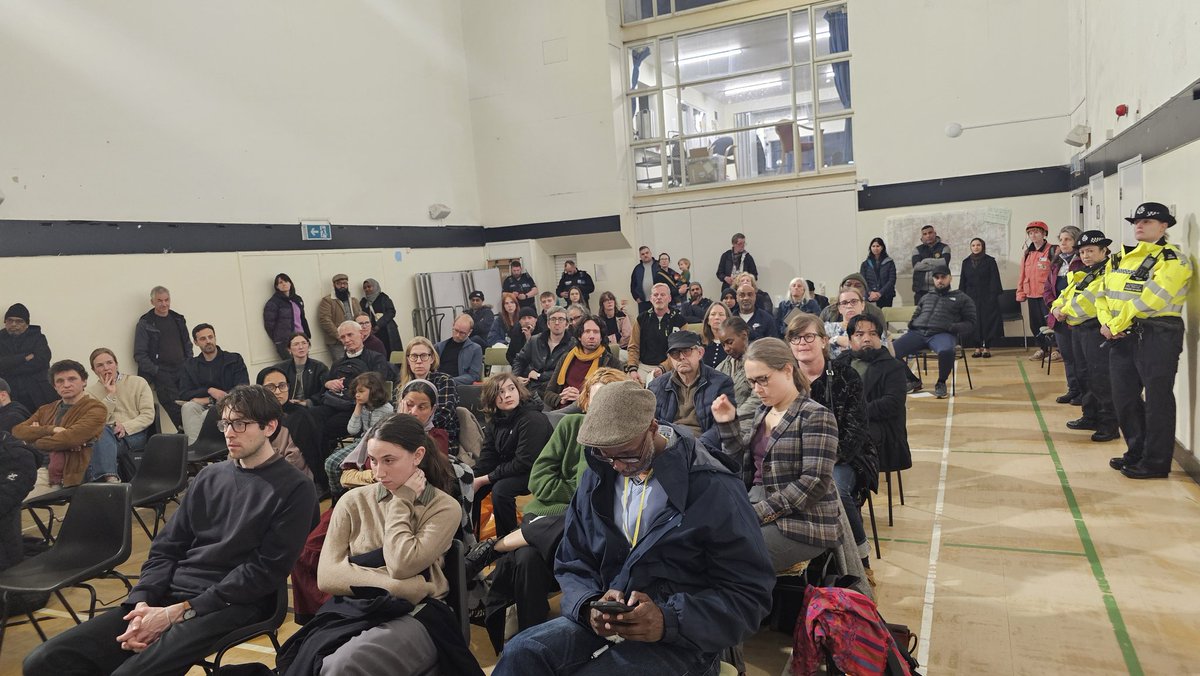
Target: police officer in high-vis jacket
{"x": 1076, "y": 305}
{"x": 1140, "y": 315}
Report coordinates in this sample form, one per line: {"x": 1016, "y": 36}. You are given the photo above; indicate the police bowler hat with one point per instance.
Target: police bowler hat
{"x": 1093, "y": 238}
{"x": 1153, "y": 211}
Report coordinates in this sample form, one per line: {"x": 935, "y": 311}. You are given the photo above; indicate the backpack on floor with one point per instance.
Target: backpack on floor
{"x": 843, "y": 630}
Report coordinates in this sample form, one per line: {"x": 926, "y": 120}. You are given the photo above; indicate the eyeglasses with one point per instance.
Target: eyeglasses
{"x": 623, "y": 459}
{"x": 760, "y": 381}
{"x": 802, "y": 338}
{"x": 557, "y": 320}
{"x": 14, "y": 320}
{"x": 420, "y": 356}
{"x": 364, "y": 324}
{"x": 680, "y": 353}
{"x": 276, "y": 387}
{"x": 850, "y": 303}
{"x": 238, "y": 426}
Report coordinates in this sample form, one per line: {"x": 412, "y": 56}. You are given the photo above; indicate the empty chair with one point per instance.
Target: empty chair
{"x": 160, "y": 477}
{"x": 93, "y": 541}
{"x": 209, "y": 445}
{"x": 48, "y": 501}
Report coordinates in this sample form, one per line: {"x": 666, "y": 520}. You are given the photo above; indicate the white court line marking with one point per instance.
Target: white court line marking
{"x": 935, "y": 545}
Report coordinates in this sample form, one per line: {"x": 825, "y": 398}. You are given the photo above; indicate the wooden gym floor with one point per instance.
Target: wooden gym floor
{"x": 1018, "y": 550}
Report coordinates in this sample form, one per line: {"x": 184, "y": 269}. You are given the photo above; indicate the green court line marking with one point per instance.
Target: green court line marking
{"x": 999, "y": 548}
{"x": 1110, "y": 602}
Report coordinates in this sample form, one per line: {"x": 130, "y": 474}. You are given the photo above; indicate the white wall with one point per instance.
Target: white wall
{"x": 543, "y": 82}
{"x": 1136, "y": 53}
{"x": 106, "y": 294}
{"x": 229, "y": 111}
{"x": 918, "y": 66}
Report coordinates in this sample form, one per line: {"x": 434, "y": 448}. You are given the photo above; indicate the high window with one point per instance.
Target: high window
{"x": 767, "y": 97}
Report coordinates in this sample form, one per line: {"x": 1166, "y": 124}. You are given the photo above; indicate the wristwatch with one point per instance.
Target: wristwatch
{"x": 188, "y": 611}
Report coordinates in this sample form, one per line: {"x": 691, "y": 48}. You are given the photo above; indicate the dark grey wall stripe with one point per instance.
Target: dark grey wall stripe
{"x": 1174, "y": 124}
{"x": 71, "y": 238}
{"x": 1040, "y": 181}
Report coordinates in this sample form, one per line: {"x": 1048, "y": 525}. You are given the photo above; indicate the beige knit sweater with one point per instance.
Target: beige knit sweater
{"x": 132, "y": 405}
{"x": 414, "y": 531}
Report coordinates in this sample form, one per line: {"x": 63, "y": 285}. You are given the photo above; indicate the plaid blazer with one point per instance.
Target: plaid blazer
{"x": 797, "y": 471}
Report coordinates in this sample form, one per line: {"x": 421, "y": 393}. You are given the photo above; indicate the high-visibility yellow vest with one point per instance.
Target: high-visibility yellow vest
{"x": 1077, "y": 302}
{"x": 1149, "y": 280}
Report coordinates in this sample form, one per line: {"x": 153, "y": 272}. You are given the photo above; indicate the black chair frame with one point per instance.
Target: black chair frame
{"x": 268, "y": 627}
{"x": 161, "y": 476}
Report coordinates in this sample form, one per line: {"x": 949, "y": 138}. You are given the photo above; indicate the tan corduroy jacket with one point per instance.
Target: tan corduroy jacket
{"x": 81, "y": 427}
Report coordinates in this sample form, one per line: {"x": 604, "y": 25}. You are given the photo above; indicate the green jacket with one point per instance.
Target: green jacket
{"x": 556, "y": 472}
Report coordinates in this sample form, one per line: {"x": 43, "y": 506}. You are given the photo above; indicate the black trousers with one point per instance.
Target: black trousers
{"x": 504, "y": 502}
{"x": 1147, "y": 359}
{"x": 166, "y": 386}
{"x": 91, "y": 647}
{"x": 1037, "y": 314}
{"x": 1062, "y": 337}
{"x": 1091, "y": 372}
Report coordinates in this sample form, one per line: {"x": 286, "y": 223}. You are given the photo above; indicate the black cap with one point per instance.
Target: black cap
{"x": 1152, "y": 210}
{"x": 18, "y": 311}
{"x": 1092, "y": 238}
{"x": 681, "y": 340}
{"x": 940, "y": 269}
{"x": 528, "y": 312}
{"x": 475, "y": 294}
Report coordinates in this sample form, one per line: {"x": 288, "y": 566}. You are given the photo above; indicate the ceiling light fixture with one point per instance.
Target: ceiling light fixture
{"x": 741, "y": 89}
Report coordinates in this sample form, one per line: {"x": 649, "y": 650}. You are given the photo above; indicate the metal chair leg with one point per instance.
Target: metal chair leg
{"x": 887, "y": 477}
{"x": 900, "y": 480}
{"x": 967, "y": 366}
{"x": 874, "y": 532}
{"x": 141, "y": 523}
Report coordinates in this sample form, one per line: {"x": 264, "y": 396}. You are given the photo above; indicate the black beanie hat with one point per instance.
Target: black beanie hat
{"x": 19, "y": 311}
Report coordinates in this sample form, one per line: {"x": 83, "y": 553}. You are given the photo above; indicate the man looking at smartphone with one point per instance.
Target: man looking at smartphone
{"x": 694, "y": 576}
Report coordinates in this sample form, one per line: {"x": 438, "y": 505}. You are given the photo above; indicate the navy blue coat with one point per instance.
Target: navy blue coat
{"x": 881, "y": 277}
{"x": 702, "y": 559}
{"x": 710, "y": 385}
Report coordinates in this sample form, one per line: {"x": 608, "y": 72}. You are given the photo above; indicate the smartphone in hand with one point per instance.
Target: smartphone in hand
{"x": 610, "y": 607}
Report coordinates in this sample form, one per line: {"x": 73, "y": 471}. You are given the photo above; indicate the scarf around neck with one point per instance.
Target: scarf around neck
{"x": 578, "y": 353}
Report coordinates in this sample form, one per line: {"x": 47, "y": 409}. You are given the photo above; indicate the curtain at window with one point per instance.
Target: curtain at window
{"x": 839, "y": 41}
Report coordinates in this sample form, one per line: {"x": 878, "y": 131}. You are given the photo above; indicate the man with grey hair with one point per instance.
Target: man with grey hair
{"x": 160, "y": 347}
{"x": 536, "y": 361}
{"x": 12, "y": 412}
{"x": 660, "y": 548}
{"x": 459, "y": 356}
{"x": 648, "y": 340}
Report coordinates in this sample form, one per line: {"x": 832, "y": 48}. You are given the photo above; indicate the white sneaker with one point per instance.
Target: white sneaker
{"x": 1037, "y": 356}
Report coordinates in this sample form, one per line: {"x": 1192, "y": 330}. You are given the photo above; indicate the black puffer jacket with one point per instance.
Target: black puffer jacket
{"x": 18, "y": 471}
{"x": 885, "y": 390}
{"x": 28, "y": 378}
{"x": 840, "y": 390}
{"x": 512, "y": 440}
{"x": 944, "y": 311}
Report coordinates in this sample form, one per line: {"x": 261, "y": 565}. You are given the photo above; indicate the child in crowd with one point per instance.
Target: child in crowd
{"x": 371, "y": 406}
{"x": 685, "y": 270}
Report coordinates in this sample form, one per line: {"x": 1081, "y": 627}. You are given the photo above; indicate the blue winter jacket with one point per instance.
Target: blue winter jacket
{"x": 470, "y": 361}
{"x": 710, "y": 385}
{"x": 702, "y": 560}
{"x": 881, "y": 277}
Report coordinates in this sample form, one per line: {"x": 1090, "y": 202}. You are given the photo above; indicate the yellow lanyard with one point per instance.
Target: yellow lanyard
{"x": 637, "y": 527}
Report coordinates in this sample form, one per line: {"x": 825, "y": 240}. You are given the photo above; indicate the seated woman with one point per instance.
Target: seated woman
{"x": 851, "y": 304}
{"x": 711, "y": 330}
{"x": 799, "y": 299}
{"x": 298, "y": 439}
{"x": 393, "y": 536}
{"x": 838, "y": 387}
{"x": 525, "y": 571}
{"x": 421, "y": 362}
{"x": 371, "y": 406}
{"x": 514, "y": 435}
{"x": 506, "y": 319}
{"x": 787, "y": 460}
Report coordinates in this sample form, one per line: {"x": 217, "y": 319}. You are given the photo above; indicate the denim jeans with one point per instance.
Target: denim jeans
{"x": 941, "y": 343}
{"x": 847, "y": 481}
{"x": 562, "y": 646}
{"x": 104, "y": 453}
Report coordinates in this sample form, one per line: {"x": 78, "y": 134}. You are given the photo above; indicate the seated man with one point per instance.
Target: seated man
{"x": 483, "y": 316}
{"x": 11, "y": 411}
{"x": 735, "y": 338}
{"x": 130, "y": 405}
{"x": 884, "y": 390}
{"x": 685, "y": 394}
{"x": 206, "y": 378}
{"x": 336, "y": 402}
{"x": 370, "y": 341}
{"x": 546, "y": 303}
{"x": 590, "y": 353}
{"x": 762, "y": 299}
{"x": 700, "y": 582}
{"x": 24, "y": 358}
{"x": 459, "y": 357}
{"x": 760, "y": 321}
{"x": 65, "y": 429}
{"x": 940, "y": 317}
{"x": 521, "y": 332}
{"x": 536, "y": 361}
{"x": 696, "y": 305}
{"x": 215, "y": 566}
